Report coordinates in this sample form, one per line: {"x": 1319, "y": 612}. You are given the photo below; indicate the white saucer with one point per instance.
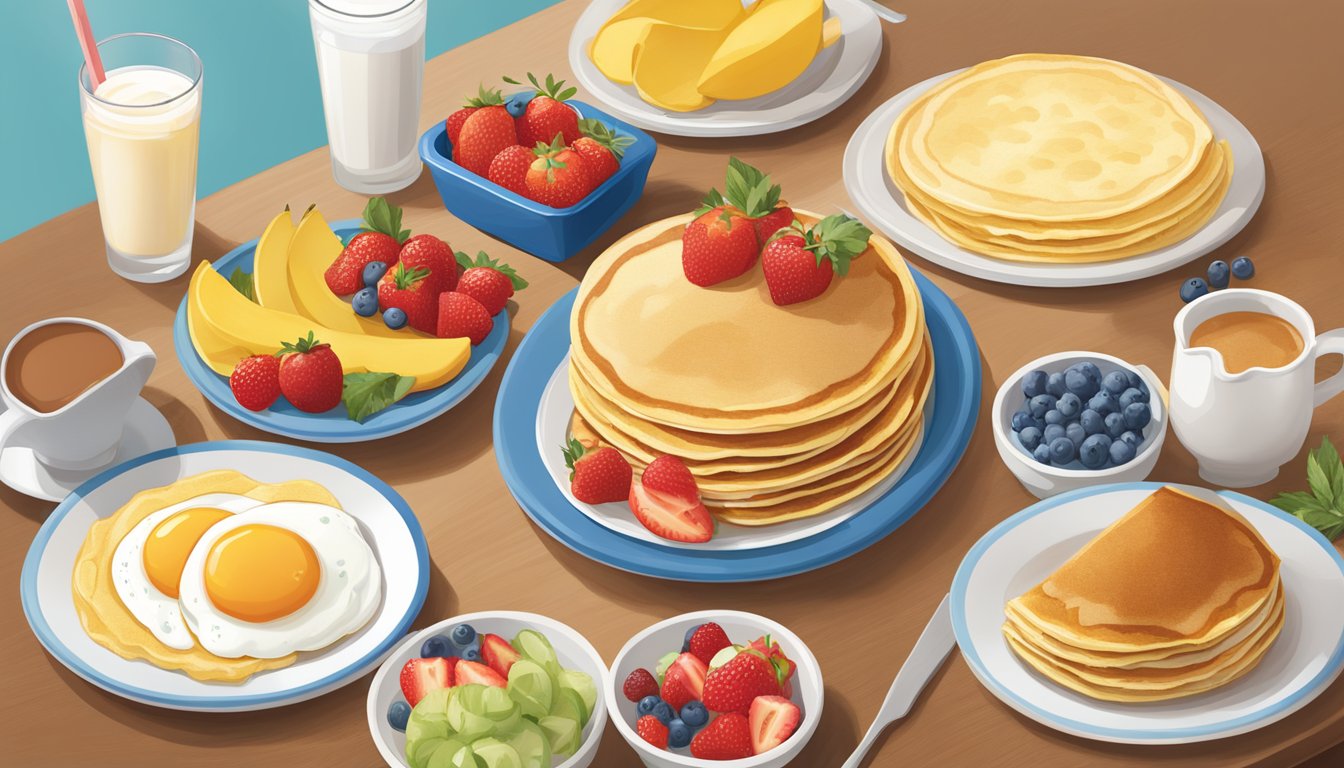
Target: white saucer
{"x": 146, "y": 431}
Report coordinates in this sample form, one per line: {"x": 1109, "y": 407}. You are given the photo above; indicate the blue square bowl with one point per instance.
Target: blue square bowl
{"x": 553, "y": 234}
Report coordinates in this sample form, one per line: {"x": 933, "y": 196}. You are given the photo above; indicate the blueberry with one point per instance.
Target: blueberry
{"x": 1193, "y": 288}
{"x": 1070, "y": 405}
{"x": 1121, "y": 452}
{"x": 1042, "y": 453}
{"x": 1135, "y": 439}
{"x": 663, "y": 711}
{"x": 694, "y": 714}
{"x": 1132, "y": 395}
{"x": 1091, "y": 371}
{"x": 1022, "y": 420}
{"x": 1137, "y": 415}
{"x": 1030, "y": 437}
{"x": 398, "y": 712}
{"x": 1219, "y": 275}
{"x": 1040, "y": 404}
{"x": 678, "y": 734}
{"x": 1115, "y": 382}
{"x": 1135, "y": 381}
{"x": 517, "y": 103}
{"x": 1079, "y": 384}
{"x": 686, "y": 641}
{"x": 1104, "y": 403}
{"x": 646, "y": 705}
{"x": 1243, "y": 268}
{"x": 1052, "y": 433}
{"x": 1054, "y": 385}
{"x": 1033, "y": 384}
{"x": 437, "y": 647}
{"x": 1093, "y": 423}
{"x": 1053, "y": 416}
{"x": 463, "y": 634}
{"x": 1094, "y": 451}
{"x": 472, "y": 653}
{"x": 1061, "y": 451}
{"x": 1076, "y": 433}
{"x": 394, "y": 318}
{"x": 365, "y": 303}
{"x": 373, "y": 272}
{"x": 1115, "y": 425}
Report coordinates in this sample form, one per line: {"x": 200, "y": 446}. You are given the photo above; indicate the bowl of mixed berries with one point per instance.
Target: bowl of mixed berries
{"x": 537, "y": 169}
{"x": 714, "y": 686}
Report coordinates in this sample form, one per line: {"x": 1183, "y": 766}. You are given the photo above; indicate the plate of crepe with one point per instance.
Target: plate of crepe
{"x": 697, "y": 67}
{"x": 226, "y": 576}
{"x": 811, "y": 430}
{"x": 1099, "y": 173}
{"x": 1146, "y": 613}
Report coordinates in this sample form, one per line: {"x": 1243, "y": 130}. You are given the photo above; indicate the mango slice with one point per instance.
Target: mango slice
{"x": 270, "y": 276}
{"x": 667, "y": 59}
{"x": 766, "y": 51}
{"x": 612, "y": 49}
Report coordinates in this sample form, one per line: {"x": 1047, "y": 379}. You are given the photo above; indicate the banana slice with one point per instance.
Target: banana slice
{"x": 768, "y": 49}
{"x": 666, "y": 61}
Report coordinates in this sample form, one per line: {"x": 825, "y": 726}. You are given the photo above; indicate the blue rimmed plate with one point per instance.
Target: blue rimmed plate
{"x": 334, "y": 426}
{"x": 1020, "y": 552}
{"x": 384, "y": 517}
{"x": 956, "y": 401}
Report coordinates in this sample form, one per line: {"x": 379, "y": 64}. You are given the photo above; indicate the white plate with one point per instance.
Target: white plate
{"x": 386, "y": 521}
{"x": 557, "y": 405}
{"x": 882, "y": 204}
{"x": 832, "y": 77}
{"x": 1026, "y": 548}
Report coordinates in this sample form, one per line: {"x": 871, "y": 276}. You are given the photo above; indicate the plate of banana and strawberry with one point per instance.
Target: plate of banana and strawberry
{"x": 345, "y": 331}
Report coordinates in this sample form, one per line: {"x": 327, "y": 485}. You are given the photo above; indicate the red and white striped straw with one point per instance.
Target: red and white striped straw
{"x": 90, "y": 46}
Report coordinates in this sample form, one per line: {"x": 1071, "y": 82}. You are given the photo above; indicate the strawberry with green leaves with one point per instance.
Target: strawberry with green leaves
{"x": 602, "y": 148}
{"x": 547, "y": 115}
{"x": 380, "y": 239}
{"x": 434, "y": 255}
{"x": 558, "y": 177}
{"x": 484, "y": 98}
{"x": 488, "y": 281}
{"x": 597, "y": 475}
{"x": 486, "y": 131}
{"x": 799, "y": 262}
{"x": 310, "y": 376}
{"x": 407, "y": 289}
{"x": 724, "y": 239}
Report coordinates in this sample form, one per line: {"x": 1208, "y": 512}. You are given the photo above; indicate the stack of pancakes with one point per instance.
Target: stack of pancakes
{"x": 1058, "y": 159}
{"x": 1178, "y": 597}
{"x": 779, "y": 412}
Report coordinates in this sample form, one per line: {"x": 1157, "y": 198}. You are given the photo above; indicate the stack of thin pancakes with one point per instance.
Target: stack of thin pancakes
{"x": 1178, "y": 597}
{"x": 1058, "y": 159}
{"x": 779, "y": 412}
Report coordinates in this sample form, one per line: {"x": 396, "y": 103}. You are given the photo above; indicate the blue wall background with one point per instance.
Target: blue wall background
{"x": 262, "y": 102}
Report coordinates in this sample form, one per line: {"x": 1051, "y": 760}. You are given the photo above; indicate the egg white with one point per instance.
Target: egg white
{"x": 348, "y": 592}
{"x": 157, "y": 612}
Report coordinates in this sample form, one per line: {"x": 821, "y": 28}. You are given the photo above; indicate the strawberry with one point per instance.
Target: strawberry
{"x": 601, "y": 148}
{"x": 727, "y": 737}
{"x": 718, "y": 245}
{"x": 484, "y": 134}
{"x": 475, "y": 673}
{"x": 652, "y": 730}
{"x": 488, "y": 281}
{"x": 684, "y": 681}
{"x": 462, "y": 316}
{"x": 772, "y": 222}
{"x": 773, "y": 719}
{"x": 799, "y": 263}
{"x": 638, "y": 684}
{"x": 498, "y": 654}
{"x": 310, "y": 375}
{"x": 509, "y": 168}
{"x": 599, "y": 475}
{"x": 433, "y": 254}
{"x": 547, "y": 115}
{"x": 484, "y": 98}
{"x": 406, "y": 288}
{"x": 420, "y": 676}
{"x": 731, "y": 687}
{"x": 558, "y": 176}
{"x": 707, "y": 640}
{"x": 380, "y": 241}
{"x": 771, "y": 650}
{"x": 666, "y": 500}
{"x": 255, "y": 382}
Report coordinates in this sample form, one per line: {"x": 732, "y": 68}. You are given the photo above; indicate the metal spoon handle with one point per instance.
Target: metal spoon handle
{"x": 885, "y": 13}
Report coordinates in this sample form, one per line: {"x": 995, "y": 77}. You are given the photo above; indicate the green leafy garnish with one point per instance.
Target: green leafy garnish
{"x": 553, "y": 88}
{"x": 242, "y": 281}
{"x": 837, "y": 237}
{"x": 382, "y": 216}
{"x": 365, "y": 394}
{"x": 483, "y": 260}
{"x": 1323, "y": 506}
{"x": 597, "y": 131}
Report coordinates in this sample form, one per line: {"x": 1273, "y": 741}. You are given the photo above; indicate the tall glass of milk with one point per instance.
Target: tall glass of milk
{"x": 142, "y": 125}
{"x": 371, "y": 62}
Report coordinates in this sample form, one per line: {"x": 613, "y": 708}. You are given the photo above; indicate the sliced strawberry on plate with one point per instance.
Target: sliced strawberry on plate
{"x": 773, "y": 720}
{"x": 420, "y": 676}
{"x": 666, "y": 500}
{"x": 498, "y": 654}
{"x": 475, "y": 673}
{"x": 684, "y": 681}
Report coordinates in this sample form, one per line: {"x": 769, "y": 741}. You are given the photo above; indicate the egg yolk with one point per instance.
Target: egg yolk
{"x": 170, "y": 543}
{"x": 261, "y": 573}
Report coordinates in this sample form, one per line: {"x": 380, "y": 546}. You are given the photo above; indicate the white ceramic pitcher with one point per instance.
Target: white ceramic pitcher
{"x": 1242, "y": 427}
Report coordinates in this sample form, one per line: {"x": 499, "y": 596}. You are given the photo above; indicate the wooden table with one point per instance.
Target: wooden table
{"x": 1278, "y": 71}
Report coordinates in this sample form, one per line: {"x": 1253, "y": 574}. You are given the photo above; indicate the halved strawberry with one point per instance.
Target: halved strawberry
{"x": 474, "y": 673}
{"x": 773, "y": 720}
{"x": 420, "y": 676}
{"x": 684, "y": 681}
{"x": 666, "y": 500}
{"x": 498, "y": 654}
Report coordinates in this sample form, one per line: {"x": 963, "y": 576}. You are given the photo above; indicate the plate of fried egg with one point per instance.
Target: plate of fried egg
{"x": 226, "y": 576}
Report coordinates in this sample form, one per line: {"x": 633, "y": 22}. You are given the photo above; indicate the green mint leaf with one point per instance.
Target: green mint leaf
{"x": 1333, "y": 469}
{"x": 381, "y": 216}
{"x": 463, "y": 260}
{"x": 242, "y": 281}
{"x": 365, "y": 394}
{"x": 1318, "y": 482}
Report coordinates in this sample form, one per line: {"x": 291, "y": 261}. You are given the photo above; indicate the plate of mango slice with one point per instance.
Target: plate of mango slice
{"x": 715, "y": 68}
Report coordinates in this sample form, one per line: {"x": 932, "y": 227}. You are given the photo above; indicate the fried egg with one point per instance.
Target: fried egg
{"x": 279, "y": 578}
{"x": 148, "y": 563}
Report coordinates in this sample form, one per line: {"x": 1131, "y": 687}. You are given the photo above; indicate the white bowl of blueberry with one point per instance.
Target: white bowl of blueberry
{"x": 1076, "y": 419}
